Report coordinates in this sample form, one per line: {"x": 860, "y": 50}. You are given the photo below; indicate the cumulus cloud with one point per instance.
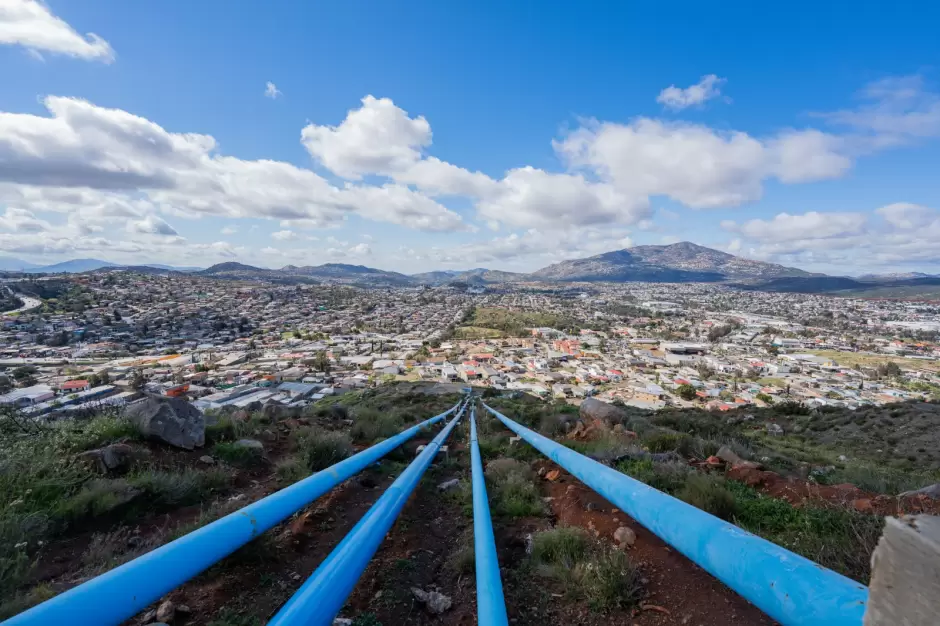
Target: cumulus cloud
{"x": 30, "y": 23}
{"x": 896, "y": 235}
{"x": 110, "y": 151}
{"x": 271, "y": 90}
{"x": 894, "y": 110}
{"x": 284, "y": 235}
{"x": 675, "y": 98}
{"x": 151, "y": 225}
{"x": 378, "y": 138}
{"x": 22, "y": 221}
{"x": 695, "y": 164}
{"x": 811, "y": 225}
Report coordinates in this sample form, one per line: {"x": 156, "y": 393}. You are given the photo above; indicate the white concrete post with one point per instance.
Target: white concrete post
{"x": 905, "y": 578}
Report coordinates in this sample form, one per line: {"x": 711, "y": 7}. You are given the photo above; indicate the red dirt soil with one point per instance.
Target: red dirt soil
{"x": 799, "y": 492}
{"x": 688, "y": 593}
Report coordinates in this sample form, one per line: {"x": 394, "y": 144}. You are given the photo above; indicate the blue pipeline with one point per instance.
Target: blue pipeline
{"x": 126, "y": 590}
{"x": 491, "y": 607}
{"x": 789, "y": 588}
{"x": 322, "y": 596}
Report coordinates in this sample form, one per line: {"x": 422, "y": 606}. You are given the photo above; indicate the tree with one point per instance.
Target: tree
{"x": 704, "y": 371}
{"x": 686, "y": 392}
{"x": 763, "y": 397}
{"x": 889, "y": 369}
{"x": 137, "y": 380}
{"x": 322, "y": 362}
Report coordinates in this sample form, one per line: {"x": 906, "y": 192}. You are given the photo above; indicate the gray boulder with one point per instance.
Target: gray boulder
{"x": 117, "y": 457}
{"x": 171, "y": 420}
{"x": 932, "y": 491}
{"x": 593, "y": 409}
{"x": 435, "y": 602}
{"x": 728, "y": 455}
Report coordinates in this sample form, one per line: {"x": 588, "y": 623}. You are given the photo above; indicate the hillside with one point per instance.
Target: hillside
{"x": 679, "y": 262}
{"x": 345, "y": 273}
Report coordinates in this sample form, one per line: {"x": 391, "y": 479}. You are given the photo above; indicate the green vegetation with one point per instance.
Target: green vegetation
{"x": 512, "y": 489}
{"x": 371, "y": 424}
{"x": 710, "y": 494}
{"x": 515, "y": 323}
{"x": 603, "y": 576}
{"x": 321, "y": 449}
{"x": 238, "y": 454}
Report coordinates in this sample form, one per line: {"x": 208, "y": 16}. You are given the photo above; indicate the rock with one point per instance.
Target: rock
{"x": 728, "y": 455}
{"x": 713, "y": 461}
{"x": 624, "y": 536}
{"x": 447, "y": 485}
{"x": 748, "y": 465}
{"x": 774, "y": 430}
{"x": 241, "y": 415}
{"x": 420, "y": 450}
{"x": 166, "y": 611}
{"x": 513, "y": 440}
{"x": 342, "y": 621}
{"x": 268, "y": 435}
{"x": 171, "y": 420}
{"x": 863, "y": 505}
{"x": 339, "y": 412}
{"x": 183, "y": 609}
{"x": 843, "y": 458}
{"x": 208, "y": 460}
{"x": 251, "y": 444}
{"x": 435, "y": 602}
{"x": 931, "y": 491}
{"x": 593, "y": 409}
{"x": 117, "y": 457}
{"x": 553, "y": 475}
{"x": 149, "y": 616}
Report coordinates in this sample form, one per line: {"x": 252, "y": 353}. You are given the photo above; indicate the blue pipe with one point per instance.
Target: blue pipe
{"x": 126, "y": 590}
{"x": 789, "y": 588}
{"x": 491, "y": 606}
{"x": 322, "y": 596}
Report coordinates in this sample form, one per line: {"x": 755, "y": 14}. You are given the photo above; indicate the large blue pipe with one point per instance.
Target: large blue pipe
{"x": 126, "y": 590}
{"x": 789, "y": 588}
{"x": 322, "y": 596}
{"x": 491, "y": 606}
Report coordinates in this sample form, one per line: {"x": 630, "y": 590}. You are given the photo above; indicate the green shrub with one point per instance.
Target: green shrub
{"x": 14, "y": 604}
{"x": 99, "y": 431}
{"x": 237, "y": 454}
{"x": 612, "y": 582}
{"x": 291, "y": 470}
{"x": 666, "y": 477}
{"x": 370, "y": 424}
{"x": 709, "y": 494}
{"x": 167, "y": 489}
{"x": 512, "y": 490}
{"x": 664, "y": 441}
{"x": 322, "y": 448}
{"x": 563, "y": 546}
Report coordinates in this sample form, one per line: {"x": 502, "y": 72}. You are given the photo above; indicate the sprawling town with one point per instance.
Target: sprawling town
{"x": 79, "y": 342}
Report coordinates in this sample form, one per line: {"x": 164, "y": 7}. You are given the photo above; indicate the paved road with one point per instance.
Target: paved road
{"x": 29, "y": 302}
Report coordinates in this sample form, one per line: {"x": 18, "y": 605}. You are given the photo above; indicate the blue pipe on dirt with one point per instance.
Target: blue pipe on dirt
{"x": 126, "y": 590}
{"x": 789, "y": 588}
{"x": 491, "y": 606}
{"x": 322, "y": 596}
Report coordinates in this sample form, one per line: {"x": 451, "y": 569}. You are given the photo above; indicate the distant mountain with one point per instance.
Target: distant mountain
{"x": 15, "y": 265}
{"x": 352, "y": 274}
{"x": 879, "y": 278}
{"x": 174, "y": 268}
{"x": 679, "y": 262}
{"x": 73, "y": 266}
{"x": 479, "y": 275}
{"x": 435, "y": 278}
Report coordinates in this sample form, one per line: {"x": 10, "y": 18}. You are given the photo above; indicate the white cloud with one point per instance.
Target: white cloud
{"x": 378, "y": 138}
{"x": 906, "y": 216}
{"x": 229, "y": 230}
{"x": 30, "y": 23}
{"x": 109, "y": 152}
{"x": 284, "y": 235}
{"x": 811, "y": 225}
{"x": 151, "y": 225}
{"x": 697, "y": 165}
{"x": 271, "y": 91}
{"x": 22, "y": 221}
{"x": 675, "y": 98}
{"x": 894, "y": 110}
{"x": 360, "y": 249}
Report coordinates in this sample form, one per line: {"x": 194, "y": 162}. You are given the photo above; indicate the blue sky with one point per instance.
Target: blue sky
{"x": 424, "y": 135}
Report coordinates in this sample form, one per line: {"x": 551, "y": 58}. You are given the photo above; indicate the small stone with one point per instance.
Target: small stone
{"x": 513, "y": 440}
{"x": 378, "y": 595}
{"x": 625, "y": 536}
{"x": 342, "y": 621}
{"x": 420, "y": 450}
{"x": 435, "y": 602}
{"x": 447, "y": 485}
{"x": 295, "y": 577}
{"x": 183, "y": 608}
{"x": 22, "y": 544}
{"x": 208, "y": 460}
{"x": 149, "y": 616}
{"x": 714, "y": 461}
{"x": 166, "y": 611}
{"x": 590, "y": 506}
{"x": 553, "y": 475}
